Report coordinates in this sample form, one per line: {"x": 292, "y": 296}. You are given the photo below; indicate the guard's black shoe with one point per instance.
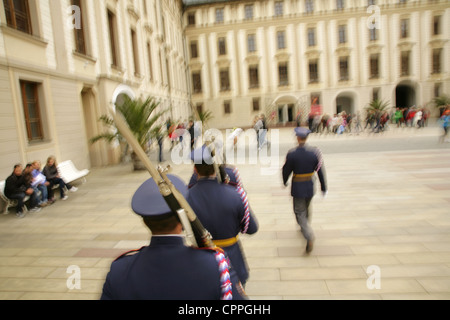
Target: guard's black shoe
{"x": 309, "y": 246}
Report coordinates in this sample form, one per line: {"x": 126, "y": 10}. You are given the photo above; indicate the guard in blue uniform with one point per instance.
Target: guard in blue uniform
{"x": 223, "y": 210}
{"x": 303, "y": 162}
{"x": 167, "y": 269}
{"x": 229, "y": 175}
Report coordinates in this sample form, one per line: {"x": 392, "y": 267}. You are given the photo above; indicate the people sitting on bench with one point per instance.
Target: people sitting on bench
{"x": 17, "y": 188}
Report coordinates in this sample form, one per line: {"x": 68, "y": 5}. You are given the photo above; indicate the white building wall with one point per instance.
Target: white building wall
{"x": 47, "y": 58}
{"x": 325, "y": 19}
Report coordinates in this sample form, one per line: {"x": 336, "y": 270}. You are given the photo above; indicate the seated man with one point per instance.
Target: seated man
{"x": 167, "y": 269}
{"x": 17, "y": 189}
{"x": 40, "y": 183}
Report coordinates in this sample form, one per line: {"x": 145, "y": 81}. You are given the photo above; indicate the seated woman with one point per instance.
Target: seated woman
{"x": 51, "y": 173}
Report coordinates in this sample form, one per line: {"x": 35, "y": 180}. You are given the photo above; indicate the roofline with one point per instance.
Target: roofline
{"x": 198, "y": 3}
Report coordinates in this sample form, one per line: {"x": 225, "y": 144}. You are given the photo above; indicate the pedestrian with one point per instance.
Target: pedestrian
{"x": 298, "y": 118}
{"x": 303, "y": 162}
{"x": 417, "y": 121}
{"x": 223, "y": 210}
{"x": 358, "y": 126}
{"x": 445, "y": 123}
{"x": 171, "y": 133}
{"x": 159, "y": 135}
{"x": 370, "y": 116}
{"x": 260, "y": 133}
{"x": 167, "y": 269}
{"x": 325, "y": 123}
{"x": 398, "y": 115}
{"x": 191, "y": 130}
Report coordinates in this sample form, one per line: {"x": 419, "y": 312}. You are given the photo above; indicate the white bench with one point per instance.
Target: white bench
{"x": 8, "y": 202}
{"x": 69, "y": 173}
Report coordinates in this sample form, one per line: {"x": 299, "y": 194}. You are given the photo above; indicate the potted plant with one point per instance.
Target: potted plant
{"x": 141, "y": 116}
{"x": 378, "y": 106}
{"x": 441, "y": 103}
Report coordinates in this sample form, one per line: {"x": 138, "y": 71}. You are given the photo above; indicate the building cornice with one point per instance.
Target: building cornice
{"x": 300, "y": 18}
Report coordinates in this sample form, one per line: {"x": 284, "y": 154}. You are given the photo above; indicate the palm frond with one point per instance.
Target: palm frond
{"x": 441, "y": 101}
{"x": 109, "y": 137}
{"x": 205, "y": 116}
{"x": 378, "y": 106}
{"x": 140, "y": 117}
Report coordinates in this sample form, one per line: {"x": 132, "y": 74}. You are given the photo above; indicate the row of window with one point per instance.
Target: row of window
{"x": 313, "y": 69}
{"x": 312, "y": 37}
{"x": 279, "y": 10}
{"x": 315, "y": 99}
{"x": 18, "y": 17}
{"x": 227, "y": 106}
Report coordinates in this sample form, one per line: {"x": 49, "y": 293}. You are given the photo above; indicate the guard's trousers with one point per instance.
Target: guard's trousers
{"x": 301, "y": 210}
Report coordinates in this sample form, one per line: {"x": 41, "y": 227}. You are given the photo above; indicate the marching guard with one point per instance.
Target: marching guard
{"x": 223, "y": 209}
{"x": 303, "y": 162}
{"x": 167, "y": 269}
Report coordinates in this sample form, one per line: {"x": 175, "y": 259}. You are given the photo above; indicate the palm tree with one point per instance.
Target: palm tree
{"x": 441, "y": 102}
{"x": 205, "y": 116}
{"x": 140, "y": 117}
{"x": 378, "y": 106}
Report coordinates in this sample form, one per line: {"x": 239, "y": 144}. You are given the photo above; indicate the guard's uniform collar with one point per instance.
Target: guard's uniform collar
{"x": 165, "y": 240}
{"x": 207, "y": 179}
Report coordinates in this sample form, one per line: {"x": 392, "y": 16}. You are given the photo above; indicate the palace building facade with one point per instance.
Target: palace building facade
{"x": 64, "y": 63}
{"x": 279, "y": 57}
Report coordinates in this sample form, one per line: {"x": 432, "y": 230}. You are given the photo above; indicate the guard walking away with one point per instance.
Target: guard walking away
{"x": 303, "y": 162}
{"x": 228, "y": 174}
{"x": 167, "y": 269}
{"x": 222, "y": 209}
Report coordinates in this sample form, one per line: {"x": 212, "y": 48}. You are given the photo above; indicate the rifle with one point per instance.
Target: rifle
{"x": 195, "y": 231}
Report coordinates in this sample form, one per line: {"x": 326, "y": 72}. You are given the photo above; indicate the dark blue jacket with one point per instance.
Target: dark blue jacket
{"x": 222, "y": 211}
{"x": 302, "y": 161}
{"x": 167, "y": 270}
{"x": 232, "y": 172}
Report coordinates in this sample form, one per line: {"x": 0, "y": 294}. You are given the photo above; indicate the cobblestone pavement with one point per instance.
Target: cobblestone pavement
{"x": 387, "y": 213}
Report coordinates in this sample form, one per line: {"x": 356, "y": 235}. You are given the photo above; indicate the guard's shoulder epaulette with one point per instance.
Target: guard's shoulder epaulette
{"x": 211, "y": 249}
{"x": 224, "y": 266}
{"x": 129, "y": 253}
{"x": 311, "y": 148}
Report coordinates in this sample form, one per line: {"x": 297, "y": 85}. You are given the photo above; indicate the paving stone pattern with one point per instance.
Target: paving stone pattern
{"x": 388, "y": 209}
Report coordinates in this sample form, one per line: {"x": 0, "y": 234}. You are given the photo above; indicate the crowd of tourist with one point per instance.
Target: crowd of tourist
{"x": 372, "y": 121}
